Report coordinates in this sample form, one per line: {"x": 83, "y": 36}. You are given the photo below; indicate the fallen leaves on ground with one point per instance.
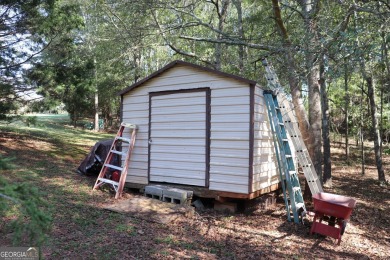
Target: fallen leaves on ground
{"x": 82, "y": 228}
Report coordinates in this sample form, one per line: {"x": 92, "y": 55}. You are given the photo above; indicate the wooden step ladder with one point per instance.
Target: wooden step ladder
{"x": 119, "y": 139}
{"x": 293, "y": 198}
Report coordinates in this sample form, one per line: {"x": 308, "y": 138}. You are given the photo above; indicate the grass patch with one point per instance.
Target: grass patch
{"x": 126, "y": 228}
{"x": 44, "y": 155}
{"x": 170, "y": 240}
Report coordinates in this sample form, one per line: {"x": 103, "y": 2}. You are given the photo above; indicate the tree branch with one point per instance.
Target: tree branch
{"x": 294, "y": 9}
{"x": 200, "y": 22}
{"x": 179, "y": 51}
{"x": 232, "y": 42}
{"x": 279, "y": 21}
{"x": 30, "y": 57}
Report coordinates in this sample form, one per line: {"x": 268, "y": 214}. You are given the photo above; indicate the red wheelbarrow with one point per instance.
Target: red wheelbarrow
{"x": 334, "y": 209}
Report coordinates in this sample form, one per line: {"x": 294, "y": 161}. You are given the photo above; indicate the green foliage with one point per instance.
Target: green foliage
{"x": 5, "y": 163}
{"x": 65, "y": 77}
{"x": 30, "y": 120}
{"x": 24, "y": 205}
{"x": 123, "y": 228}
{"x": 27, "y": 28}
{"x": 88, "y": 125}
{"x": 46, "y": 105}
{"x": 105, "y": 46}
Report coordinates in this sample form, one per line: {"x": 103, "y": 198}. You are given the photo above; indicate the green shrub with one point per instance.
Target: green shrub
{"x": 5, "y": 163}
{"x": 23, "y": 204}
{"x": 89, "y": 125}
{"x": 30, "y": 120}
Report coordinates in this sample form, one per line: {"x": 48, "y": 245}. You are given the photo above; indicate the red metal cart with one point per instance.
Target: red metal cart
{"x": 334, "y": 209}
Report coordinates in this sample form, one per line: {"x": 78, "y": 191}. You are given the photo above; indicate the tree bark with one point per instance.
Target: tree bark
{"x": 327, "y": 177}
{"x": 346, "y": 109}
{"x": 315, "y": 119}
{"x": 375, "y": 130}
{"x": 361, "y": 137}
{"x": 310, "y": 10}
{"x": 96, "y": 95}
{"x": 386, "y": 79}
{"x": 222, "y": 12}
{"x": 241, "y": 51}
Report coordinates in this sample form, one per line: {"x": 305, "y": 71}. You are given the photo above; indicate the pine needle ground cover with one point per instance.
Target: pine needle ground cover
{"x": 46, "y": 155}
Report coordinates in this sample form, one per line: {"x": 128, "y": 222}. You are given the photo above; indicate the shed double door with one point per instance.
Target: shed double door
{"x": 178, "y": 137}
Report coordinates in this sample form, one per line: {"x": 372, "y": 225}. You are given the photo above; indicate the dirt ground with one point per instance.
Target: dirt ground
{"x": 83, "y": 229}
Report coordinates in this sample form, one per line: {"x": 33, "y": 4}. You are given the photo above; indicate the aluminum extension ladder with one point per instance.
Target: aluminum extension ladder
{"x": 291, "y": 125}
{"x": 302, "y": 153}
{"x": 103, "y": 177}
{"x": 294, "y": 201}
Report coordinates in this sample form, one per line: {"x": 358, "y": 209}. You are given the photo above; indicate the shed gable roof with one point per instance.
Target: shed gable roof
{"x": 183, "y": 63}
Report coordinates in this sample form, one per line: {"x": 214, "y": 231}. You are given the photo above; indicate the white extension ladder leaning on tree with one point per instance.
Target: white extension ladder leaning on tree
{"x": 289, "y": 124}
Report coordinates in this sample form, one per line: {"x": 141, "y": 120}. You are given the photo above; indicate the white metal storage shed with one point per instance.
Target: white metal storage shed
{"x": 201, "y": 128}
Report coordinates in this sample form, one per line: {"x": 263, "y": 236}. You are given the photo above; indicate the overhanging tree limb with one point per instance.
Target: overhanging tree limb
{"x": 30, "y": 56}
{"x": 177, "y": 50}
{"x": 233, "y": 42}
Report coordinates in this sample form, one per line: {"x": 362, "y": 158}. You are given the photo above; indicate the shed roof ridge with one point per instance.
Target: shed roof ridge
{"x": 185, "y": 63}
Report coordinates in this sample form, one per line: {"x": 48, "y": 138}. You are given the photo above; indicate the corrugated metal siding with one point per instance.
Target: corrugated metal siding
{"x": 265, "y": 171}
{"x": 178, "y": 154}
{"x": 229, "y": 136}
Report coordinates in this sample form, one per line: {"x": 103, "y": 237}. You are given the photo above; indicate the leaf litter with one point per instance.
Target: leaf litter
{"x": 82, "y": 228}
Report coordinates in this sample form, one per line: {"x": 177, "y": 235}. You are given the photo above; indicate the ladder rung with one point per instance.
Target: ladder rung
{"x": 295, "y": 189}
{"x": 124, "y": 139}
{"x": 285, "y": 140}
{"x": 118, "y": 152}
{"x": 113, "y": 167}
{"x": 108, "y": 181}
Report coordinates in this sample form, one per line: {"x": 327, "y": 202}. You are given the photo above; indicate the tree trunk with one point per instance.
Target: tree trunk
{"x": 222, "y": 12}
{"x": 346, "y": 108}
{"x": 96, "y": 110}
{"x": 361, "y": 131}
{"x": 327, "y": 177}
{"x": 310, "y": 10}
{"x": 386, "y": 79}
{"x": 96, "y": 96}
{"x": 315, "y": 119}
{"x": 375, "y": 130}
{"x": 241, "y": 52}
{"x": 296, "y": 93}
{"x": 93, "y": 47}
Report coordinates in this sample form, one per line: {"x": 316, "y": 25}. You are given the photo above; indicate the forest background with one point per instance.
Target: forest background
{"x": 331, "y": 56}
